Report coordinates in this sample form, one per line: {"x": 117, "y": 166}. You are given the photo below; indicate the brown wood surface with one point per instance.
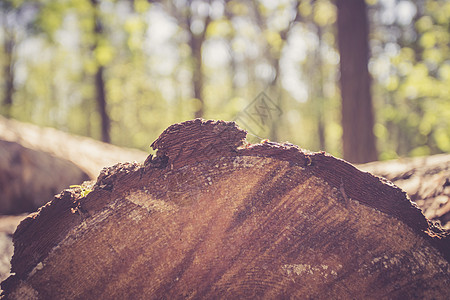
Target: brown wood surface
{"x": 425, "y": 179}
{"x": 210, "y": 217}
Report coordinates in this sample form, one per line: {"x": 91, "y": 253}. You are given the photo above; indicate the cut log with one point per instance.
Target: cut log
{"x": 30, "y": 178}
{"x": 211, "y": 217}
{"x": 425, "y": 179}
{"x": 36, "y": 163}
{"x": 88, "y": 154}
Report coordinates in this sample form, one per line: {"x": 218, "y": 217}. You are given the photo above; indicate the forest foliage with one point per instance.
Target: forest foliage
{"x": 162, "y": 62}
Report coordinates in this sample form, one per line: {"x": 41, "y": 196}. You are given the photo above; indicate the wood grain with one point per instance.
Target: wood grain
{"x": 234, "y": 221}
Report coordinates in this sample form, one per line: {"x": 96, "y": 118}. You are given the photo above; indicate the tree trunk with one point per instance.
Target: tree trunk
{"x": 208, "y": 218}
{"x": 101, "y": 101}
{"x": 185, "y": 15}
{"x": 357, "y": 112}
{"x": 196, "y": 43}
{"x": 273, "y": 120}
{"x": 8, "y": 71}
{"x": 100, "y": 80}
{"x": 318, "y": 90}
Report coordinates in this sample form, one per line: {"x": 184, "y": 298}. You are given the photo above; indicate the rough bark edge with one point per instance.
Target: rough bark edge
{"x": 425, "y": 179}
{"x": 69, "y": 208}
{"x": 199, "y": 140}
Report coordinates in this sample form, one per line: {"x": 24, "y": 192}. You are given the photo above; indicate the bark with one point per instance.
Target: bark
{"x": 357, "y": 112}
{"x": 210, "y": 217}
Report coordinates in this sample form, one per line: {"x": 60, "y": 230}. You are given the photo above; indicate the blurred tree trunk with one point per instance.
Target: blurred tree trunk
{"x": 320, "y": 109}
{"x": 273, "y": 56}
{"x": 101, "y": 100}
{"x": 186, "y": 15}
{"x": 196, "y": 43}
{"x": 317, "y": 77}
{"x": 357, "y": 113}
{"x": 99, "y": 78}
{"x": 8, "y": 69}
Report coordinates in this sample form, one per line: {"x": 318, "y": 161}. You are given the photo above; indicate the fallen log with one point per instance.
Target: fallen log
{"x": 425, "y": 179}
{"x": 86, "y": 153}
{"x": 36, "y": 163}
{"x": 211, "y": 217}
{"x": 30, "y": 178}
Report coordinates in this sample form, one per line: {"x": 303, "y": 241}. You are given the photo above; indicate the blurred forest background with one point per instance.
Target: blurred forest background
{"x": 121, "y": 71}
